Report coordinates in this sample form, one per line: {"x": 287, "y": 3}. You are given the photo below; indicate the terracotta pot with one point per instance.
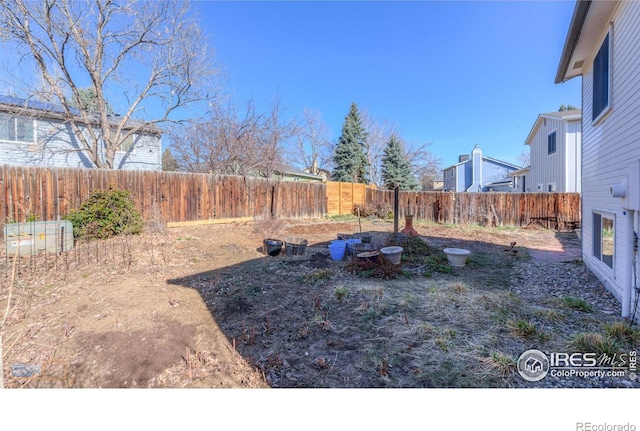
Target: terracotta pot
{"x": 408, "y": 227}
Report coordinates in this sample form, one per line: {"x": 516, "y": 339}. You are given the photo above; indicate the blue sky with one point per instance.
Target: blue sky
{"x": 449, "y": 73}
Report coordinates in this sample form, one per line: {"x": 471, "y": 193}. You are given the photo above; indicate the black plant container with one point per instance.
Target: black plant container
{"x": 272, "y": 247}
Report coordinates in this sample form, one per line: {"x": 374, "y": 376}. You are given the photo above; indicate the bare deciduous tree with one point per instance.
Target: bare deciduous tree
{"x": 234, "y": 142}
{"x": 426, "y": 165}
{"x": 149, "y": 59}
{"x": 378, "y": 134}
{"x": 312, "y": 148}
{"x": 524, "y": 159}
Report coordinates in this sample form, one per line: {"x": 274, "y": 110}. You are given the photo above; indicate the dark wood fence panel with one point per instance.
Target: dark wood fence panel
{"x": 549, "y": 210}
{"x": 49, "y": 193}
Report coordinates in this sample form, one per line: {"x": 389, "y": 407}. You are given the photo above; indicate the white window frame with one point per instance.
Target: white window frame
{"x": 597, "y": 238}
{"x": 134, "y": 141}
{"x": 15, "y": 119}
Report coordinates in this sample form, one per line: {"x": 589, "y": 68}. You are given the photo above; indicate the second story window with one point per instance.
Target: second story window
{"x": 551, "y": 143}
{"x": 128, "y": 144}
{"x": 601, "y": 79}
{"x": 16, "y": 129}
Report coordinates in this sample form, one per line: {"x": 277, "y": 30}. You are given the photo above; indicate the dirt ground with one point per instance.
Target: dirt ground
{"x": 202, "y": 306}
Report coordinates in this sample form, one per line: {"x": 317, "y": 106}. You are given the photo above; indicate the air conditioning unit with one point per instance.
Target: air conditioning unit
{"x": 34, "y": 237}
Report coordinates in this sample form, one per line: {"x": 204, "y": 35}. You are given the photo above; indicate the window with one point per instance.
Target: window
{"x": 603, "y": 238}
{"x": 551, "y": 187}
{"x": 601, "y": 79}
{"x": 128, "y": 144}
{"x": 551, "y": 143}
{"x": 17, "y": 129}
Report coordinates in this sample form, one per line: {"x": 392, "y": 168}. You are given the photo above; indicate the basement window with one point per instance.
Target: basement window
{"x": 604, "y": 238}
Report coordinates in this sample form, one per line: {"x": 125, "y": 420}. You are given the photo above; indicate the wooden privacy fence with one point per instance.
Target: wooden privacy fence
{"x": 549, "y": 210}
{"x": 341, "y": 197}
{"x": 49, "y": 193}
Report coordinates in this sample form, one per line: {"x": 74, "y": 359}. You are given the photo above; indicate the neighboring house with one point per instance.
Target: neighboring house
{"x": 315, "y": 170}
{"x": 437, "y": 185}
{"x": 478, "y": 173}
{"x": 521, "y": 179}
{"x": 34, "y": 133}
{"x": 603, "y": 46}
{"x": 554, "y": 151}
{"x": 289, "y": 173}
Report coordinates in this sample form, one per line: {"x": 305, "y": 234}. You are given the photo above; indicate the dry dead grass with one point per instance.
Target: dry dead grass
{"x": 236, "y": 318}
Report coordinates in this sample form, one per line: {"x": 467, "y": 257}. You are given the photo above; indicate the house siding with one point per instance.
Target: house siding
{"x": 474, "y": 174}
{"x": 57, "y": 146}
{"x": 561, "y": 168}
{"x": 573, "y": 153}
{"x": 610, "y": 147}
{"x": 492, "y": 171}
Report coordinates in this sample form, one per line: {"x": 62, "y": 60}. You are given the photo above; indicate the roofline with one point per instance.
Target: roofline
{"x": 550, "y": 115}
{"x": 54, "y": 115}
{"x": 507, "y": 164}
{"x": 501, "y": 162}
{"x": 454, "y": 165}
{"x": 520, "y": 171}
{"x": 499, "y": 183}
{"x": 298, "y": 174}
{"x": 575, "y": 28}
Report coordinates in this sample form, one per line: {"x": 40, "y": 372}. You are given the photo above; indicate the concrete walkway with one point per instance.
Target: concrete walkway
{"x": 565, "y": 247}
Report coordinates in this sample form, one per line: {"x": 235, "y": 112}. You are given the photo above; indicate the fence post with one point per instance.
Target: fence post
{"x": 396, "y": 198}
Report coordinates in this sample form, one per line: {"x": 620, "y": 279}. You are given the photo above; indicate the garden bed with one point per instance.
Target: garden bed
{"x": 202, "y": 306}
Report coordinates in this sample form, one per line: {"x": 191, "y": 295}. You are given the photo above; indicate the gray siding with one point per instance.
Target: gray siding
{"x": 474, "y": 174}
{"x": 611, "y": 146}
{"x": 560, "y": 169}
{"x": 56, "y": 145}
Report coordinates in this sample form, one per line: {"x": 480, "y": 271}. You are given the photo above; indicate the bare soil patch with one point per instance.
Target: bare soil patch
{"x": 203, "y": 307}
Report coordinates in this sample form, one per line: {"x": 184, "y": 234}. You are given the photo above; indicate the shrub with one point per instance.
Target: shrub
{"x": 379, "y": 209}
{"x": 104, "y": 214}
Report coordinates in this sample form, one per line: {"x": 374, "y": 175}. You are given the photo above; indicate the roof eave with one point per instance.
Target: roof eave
{"x": 147, "y": 128}
{"x": 505, "y": 164}
{"x": 575, "y": 28}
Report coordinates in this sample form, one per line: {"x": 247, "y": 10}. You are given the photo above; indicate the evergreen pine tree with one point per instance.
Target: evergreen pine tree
{"x": 350, "y": 160}
{"x": 396, "y": 168}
